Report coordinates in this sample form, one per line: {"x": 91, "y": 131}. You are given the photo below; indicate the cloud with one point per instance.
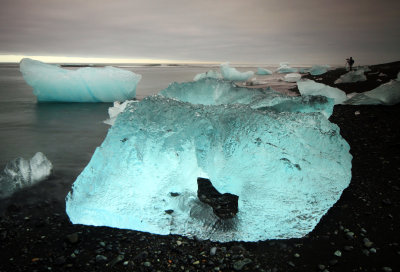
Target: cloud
{"x": 246, "y": 31}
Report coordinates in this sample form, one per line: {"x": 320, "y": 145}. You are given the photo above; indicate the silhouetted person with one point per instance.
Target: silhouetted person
{"x": 350, "y": 62}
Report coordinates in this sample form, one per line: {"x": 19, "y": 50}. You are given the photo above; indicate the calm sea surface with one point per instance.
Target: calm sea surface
{"x": 68, "y": 133}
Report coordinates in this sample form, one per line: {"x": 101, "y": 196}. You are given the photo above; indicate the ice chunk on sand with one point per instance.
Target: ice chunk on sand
{"x": 385, "y": 94}
{"x": 20, "y": 173}
{"x": 292, "y": 77}
{"x": 53, "y": 83}
{"x": 317, "y": 70}
{"x": 352, "y": 76}
{"x": 398, "y": 77}
{"x": 287, "y": 170}
{"x": 231, "y": 73}
{"x": 217, "y": 92}
{"x": 285, "y": 68}
{"x": 211, "y": 74}
{"x": 262, "y": 71}
{"x": 366, "y": 68}
{"x": 310, "y": 87}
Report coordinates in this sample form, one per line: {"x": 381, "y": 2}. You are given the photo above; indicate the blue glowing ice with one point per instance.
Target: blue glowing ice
{"x": 231, "y": 73}
{"x": 262, "y": 71}
{"x": 53, "y": 83}
{"x": 211, "y": 74}
{"x": 287, "y": 168}
{"x": 20, "y": 173}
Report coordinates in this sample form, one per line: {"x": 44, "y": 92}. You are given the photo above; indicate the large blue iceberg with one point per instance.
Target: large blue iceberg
{"x": 54, "y": 84}
{"x": 287, "y": 168}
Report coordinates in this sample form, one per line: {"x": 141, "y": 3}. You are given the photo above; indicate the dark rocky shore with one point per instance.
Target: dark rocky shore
{"x": 360, "y": 233}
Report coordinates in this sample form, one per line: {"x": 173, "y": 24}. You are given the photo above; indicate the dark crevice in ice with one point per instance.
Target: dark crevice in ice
{"x": 224, "y": 206}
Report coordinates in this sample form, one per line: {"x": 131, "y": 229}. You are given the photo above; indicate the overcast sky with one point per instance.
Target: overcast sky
{"x": 244, "y": 31}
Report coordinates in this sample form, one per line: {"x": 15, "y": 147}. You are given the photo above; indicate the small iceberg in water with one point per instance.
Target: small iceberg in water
{"x": 284, "y": 68}
{"x": 232, "y": 73}
{"x": 262, "y": 71}
{"x": 52, "y": 83}
{"x": 292, "y": 77}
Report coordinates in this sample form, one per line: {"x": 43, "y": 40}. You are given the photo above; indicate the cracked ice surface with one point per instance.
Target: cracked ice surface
{"x": 54, "y": 84}
{"x": 287, "y": 168}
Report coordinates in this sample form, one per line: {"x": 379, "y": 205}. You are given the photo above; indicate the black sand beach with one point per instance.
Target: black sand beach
{"x": 360, "y": 233}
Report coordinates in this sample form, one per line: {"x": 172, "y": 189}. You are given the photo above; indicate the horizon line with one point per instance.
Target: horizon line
{"x": 13, "y": 58}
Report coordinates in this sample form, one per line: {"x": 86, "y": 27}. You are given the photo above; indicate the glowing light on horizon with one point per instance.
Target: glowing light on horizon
{"x": 64, "y": 59}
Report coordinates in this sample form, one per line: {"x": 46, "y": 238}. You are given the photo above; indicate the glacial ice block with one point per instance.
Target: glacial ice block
{"x": 210, "y": 73}
{"x": 20, "y": 173}
{"x": 231, "y": 73}
{"x": 385, "y": 94}
{"x": 351, "y": 77}
{"x": 287, "y": 170}
{"x": 304, "y": 70}
{"x": 284, "y": 68}
{"x": 262, "y": 71}
{"x": 317, "y": 70}
{"x": 310, "y": 87}
{"x": 54, "y": 84}
{"x": 217, "y": 92}
{"x": 292, "y": 77}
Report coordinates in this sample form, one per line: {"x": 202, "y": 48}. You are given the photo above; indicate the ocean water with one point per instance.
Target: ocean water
{"x": 68, "y": 133}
